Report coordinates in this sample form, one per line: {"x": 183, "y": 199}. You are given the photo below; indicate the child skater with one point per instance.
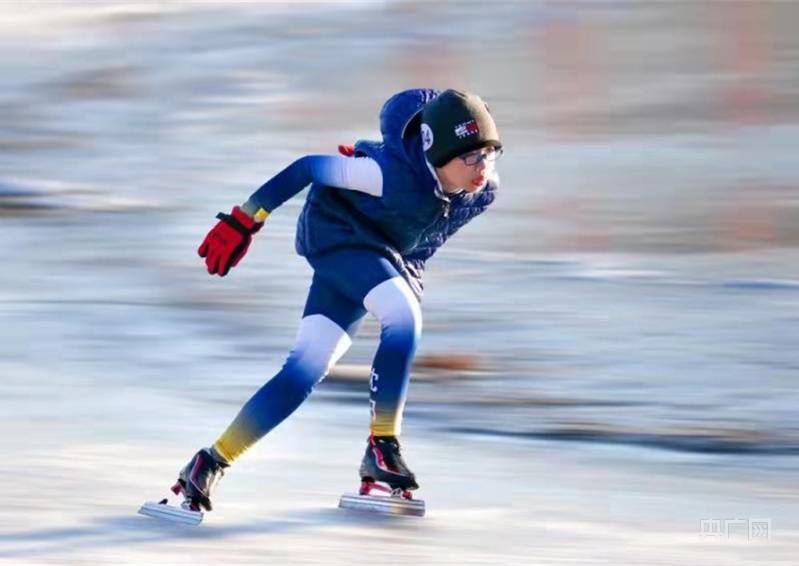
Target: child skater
{"x": 373, "y": 216}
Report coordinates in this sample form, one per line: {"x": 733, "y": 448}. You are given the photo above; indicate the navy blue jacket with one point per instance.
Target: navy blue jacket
{"x": 411, "y": 219}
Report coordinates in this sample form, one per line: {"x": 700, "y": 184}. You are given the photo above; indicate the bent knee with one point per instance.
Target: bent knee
{"x": 320, "y": 343}
{"x": 393, "y": 304}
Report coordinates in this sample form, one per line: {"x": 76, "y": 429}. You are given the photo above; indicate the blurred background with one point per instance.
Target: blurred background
{"x": 608, "y": 355}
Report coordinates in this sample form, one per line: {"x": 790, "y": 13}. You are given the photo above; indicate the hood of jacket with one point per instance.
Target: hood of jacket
{"x": 400, "y": 119}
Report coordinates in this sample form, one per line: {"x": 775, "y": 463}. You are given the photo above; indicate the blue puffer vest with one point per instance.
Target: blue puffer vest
{"x": 411, "y": 220}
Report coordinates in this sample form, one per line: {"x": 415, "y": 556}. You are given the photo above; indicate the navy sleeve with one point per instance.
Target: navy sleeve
{"x": 361, "y": 174}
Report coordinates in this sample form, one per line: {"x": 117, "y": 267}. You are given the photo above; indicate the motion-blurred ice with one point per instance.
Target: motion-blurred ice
{"x": 608, "y": 357}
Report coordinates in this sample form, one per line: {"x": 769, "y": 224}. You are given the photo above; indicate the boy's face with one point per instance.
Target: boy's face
{"x": 469, "y": 171}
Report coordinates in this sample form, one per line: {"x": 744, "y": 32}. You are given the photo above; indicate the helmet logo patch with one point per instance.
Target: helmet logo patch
{"x": 427, "y": 137}
{"x": 466, "y": 129}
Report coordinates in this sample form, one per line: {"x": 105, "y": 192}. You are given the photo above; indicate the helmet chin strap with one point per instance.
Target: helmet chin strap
{"x": 451, "y": 190}
{"x": 446, "y": 187}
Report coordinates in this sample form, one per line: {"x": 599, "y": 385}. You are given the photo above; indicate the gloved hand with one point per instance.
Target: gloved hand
{"x": 347, "y": 150}
{"x": 228, "y": 241}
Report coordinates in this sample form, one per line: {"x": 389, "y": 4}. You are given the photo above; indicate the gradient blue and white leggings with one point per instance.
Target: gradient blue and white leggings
{"x": 346, "y": 285}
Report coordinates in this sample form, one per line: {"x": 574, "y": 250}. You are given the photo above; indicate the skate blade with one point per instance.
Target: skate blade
{"x": 171, "y": 513}
{"x": 383, "y": 504}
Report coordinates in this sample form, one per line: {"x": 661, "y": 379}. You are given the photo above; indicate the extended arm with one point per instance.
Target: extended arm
{"x": 228, "y": 241}
{"x": 360, "y": 174}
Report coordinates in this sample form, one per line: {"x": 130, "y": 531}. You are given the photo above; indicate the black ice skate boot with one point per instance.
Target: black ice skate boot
{"x": 384, "y": 470}
{"x": 195, "y": 482}
{"x": 383, "y": 463}
{"x": 198, "y": 479}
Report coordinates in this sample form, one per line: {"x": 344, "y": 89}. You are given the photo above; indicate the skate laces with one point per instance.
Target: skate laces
{"x": 390, "y": 441}
{"x": 391, "y": 445}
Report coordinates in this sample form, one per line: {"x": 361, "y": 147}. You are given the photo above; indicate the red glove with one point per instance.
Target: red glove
{"x": 347, "y": 150}
{"x": 227, "y": 242}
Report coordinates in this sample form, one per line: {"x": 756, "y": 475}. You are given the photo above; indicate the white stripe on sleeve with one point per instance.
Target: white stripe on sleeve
{"x": 355, "y": 173}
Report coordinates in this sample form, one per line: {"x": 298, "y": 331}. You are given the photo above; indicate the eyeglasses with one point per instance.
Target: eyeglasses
{"x": 475, "y": 157}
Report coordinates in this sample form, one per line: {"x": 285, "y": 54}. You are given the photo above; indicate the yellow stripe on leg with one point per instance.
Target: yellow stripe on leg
{"x": 233, "y": 443}
{"x": 386, "y": 425}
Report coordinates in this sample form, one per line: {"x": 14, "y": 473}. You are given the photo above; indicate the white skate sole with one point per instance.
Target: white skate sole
{"x": 386, "y": 505}
{"x": 171, "y": 513}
